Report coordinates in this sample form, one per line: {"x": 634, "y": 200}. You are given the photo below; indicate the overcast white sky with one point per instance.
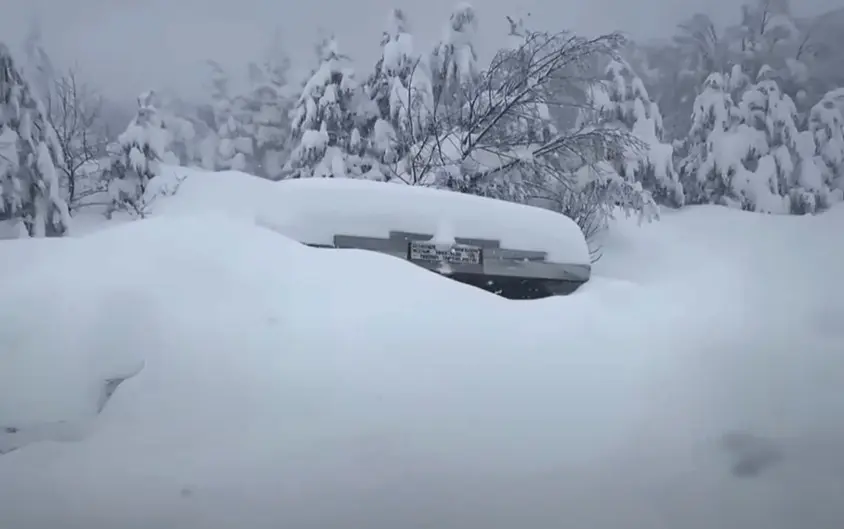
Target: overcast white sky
{"x": 127, "y": 46}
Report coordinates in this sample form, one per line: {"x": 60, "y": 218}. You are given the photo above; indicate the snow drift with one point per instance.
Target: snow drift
{"x": 273, "y": 384}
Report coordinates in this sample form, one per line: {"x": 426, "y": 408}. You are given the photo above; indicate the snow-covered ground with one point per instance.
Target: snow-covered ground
{"x": 693, "y": 383}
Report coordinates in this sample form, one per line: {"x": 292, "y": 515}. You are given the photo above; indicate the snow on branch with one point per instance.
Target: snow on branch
{"x": 504, "y": 124}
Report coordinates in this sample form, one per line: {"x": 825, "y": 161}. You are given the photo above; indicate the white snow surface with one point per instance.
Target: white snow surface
{"x": 279, "y": 385}
{"x": 313, "y": 210}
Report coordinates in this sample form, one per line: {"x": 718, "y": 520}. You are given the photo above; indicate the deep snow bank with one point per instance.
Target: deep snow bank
{"x": 288, "y": 386}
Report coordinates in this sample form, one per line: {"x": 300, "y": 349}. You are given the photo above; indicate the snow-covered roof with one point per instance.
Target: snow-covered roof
{"x": 326, "y": 207}
{"x": 314, "y": 210}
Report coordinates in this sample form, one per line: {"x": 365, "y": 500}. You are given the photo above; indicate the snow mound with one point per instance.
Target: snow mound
{"x": 272, "y": 384}
{"x": 116, "y": 284}
{"x": 346, "y": 369}
{"x": 313, "y": 210}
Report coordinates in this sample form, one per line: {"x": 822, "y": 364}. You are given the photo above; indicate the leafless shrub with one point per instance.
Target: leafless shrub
{"x": 480, "y": 128}
{"x": 74, "y": 110}
{"x": 498, "y": 139}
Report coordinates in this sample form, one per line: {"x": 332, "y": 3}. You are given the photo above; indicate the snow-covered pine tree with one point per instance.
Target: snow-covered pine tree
{"x": 454, "y": 61}
{"x": 220, "y": 93}
{"x": 179, "y": 119}
{"x": 623, "y": 101}
{"x": 826, "y": 123}
{"x": 713, "y": 118}
{"x": 766, "y": 109}
{"x": 736, "y": 82}
{"x": 232, "y": 141}
{"x": 326, "y": 123}
{"x": 751, "y": 155}
{"x": 236, "y": 147}
{"x": 141, "y": 151}
{"x": 810, "y": 191}
{"x": 29, "y": 150}
{"x": 401, "y": 91}
{"x": 38, "y": 69}
{"x": 271, "y": 102}
{"x": 732, "y": 162}
{"x": 207, "y": 140}
{"x": 182, "y": 145}
{"x": 397, "y": 57}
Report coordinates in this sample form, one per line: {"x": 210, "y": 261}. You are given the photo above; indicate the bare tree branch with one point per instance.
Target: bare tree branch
{"x": 494, "y": 138}
{"x": 74, "y": 111}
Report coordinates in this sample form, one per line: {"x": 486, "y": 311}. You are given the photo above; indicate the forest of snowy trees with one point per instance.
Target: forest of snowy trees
{"x": 750, "y": 116}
